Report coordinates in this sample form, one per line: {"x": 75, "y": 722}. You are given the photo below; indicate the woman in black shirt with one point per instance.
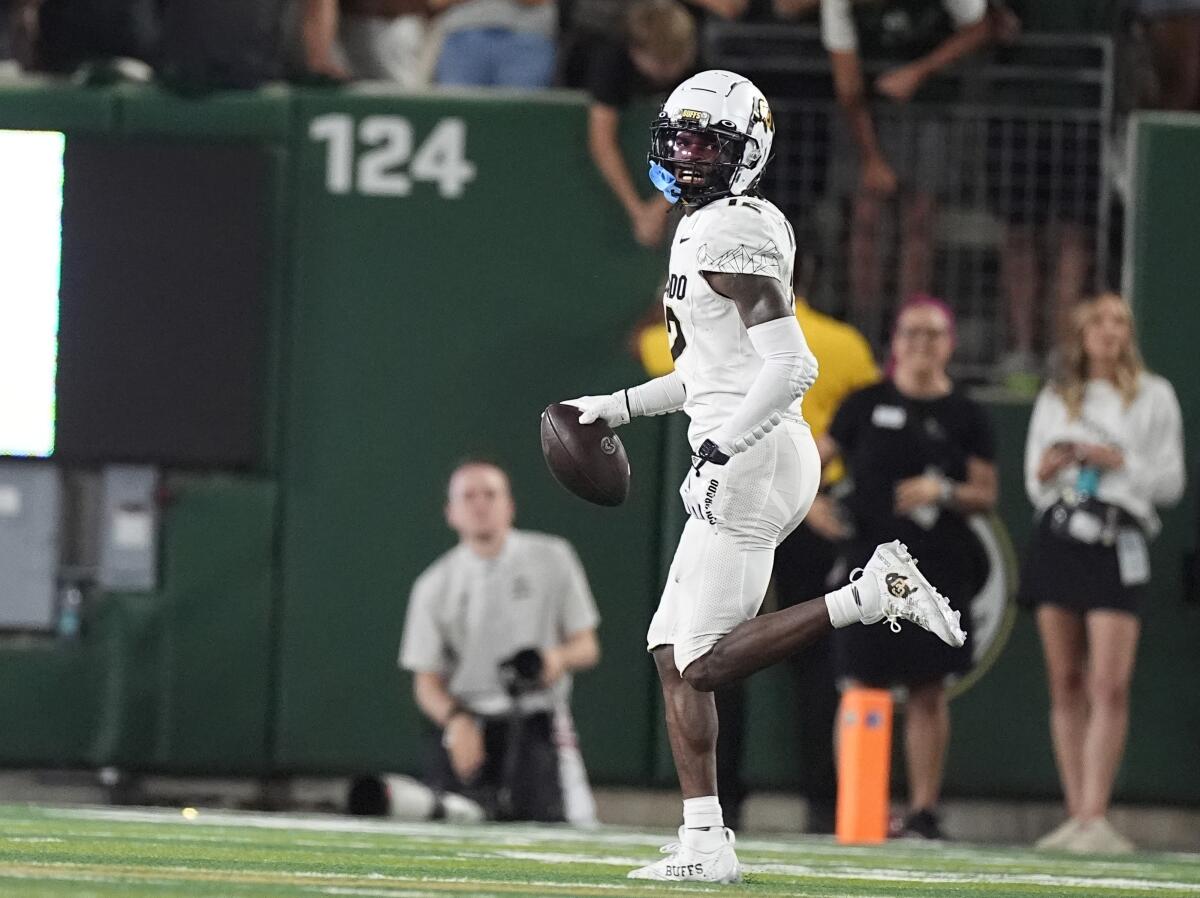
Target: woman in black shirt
{"x": 920, "y": 455}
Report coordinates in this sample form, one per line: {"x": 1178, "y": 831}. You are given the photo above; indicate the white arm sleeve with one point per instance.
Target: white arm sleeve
{"x": 656, "y": 397}
{"x": 789, "y": 369}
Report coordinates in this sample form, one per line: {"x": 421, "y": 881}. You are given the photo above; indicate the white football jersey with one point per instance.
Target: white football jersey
{"x": 709, "y": 343}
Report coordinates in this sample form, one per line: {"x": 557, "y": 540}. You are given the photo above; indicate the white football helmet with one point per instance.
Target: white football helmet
{"x": 712, "y": 138}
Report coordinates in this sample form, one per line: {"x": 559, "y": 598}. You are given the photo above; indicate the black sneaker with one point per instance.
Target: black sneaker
{"x": 923, "y": 824}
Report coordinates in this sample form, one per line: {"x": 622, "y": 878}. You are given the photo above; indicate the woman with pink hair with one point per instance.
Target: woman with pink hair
{"x": 920, "y": 455}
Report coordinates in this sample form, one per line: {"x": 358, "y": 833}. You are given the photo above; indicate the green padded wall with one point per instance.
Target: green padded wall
{"x": 411, "y": 329}
{"x": 425, "y": 329}
{"x": 177, "y": 679}
{"x": 215, "y": 659}
{"x": 47, "y": 105}
{"x": 1163, "y": 269}
{"x": 48, "y": 704}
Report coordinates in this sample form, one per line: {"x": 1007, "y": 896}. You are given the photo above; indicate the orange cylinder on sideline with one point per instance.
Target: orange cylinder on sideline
{"x": 864, "y": 765}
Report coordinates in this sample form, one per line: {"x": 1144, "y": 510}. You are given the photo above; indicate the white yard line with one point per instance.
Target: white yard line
{"x": 513, "y": 842}
{"x": 870, "y": 874}
{"x": 529, "y": 835}
{"x": 876, "y": 874}
{"x": 403, "y": 885}
{"x": 379, "y": 893}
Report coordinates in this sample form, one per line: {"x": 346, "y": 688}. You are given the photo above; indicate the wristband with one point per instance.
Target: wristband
{"x": 946, "y": 496}
{"x": 711, "y": 452}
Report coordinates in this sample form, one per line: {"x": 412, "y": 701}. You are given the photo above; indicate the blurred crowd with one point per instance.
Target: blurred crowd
{"x": 889, "y": 171}
{"x": 544, "y": 43}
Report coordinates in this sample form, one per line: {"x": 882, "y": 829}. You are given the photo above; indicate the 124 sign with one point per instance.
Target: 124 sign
{"x": 389, "y": 165}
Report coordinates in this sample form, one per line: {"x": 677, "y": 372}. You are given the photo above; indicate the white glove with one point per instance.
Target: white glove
{"x": 701, "y": 488}
{"x": 613, "y": 409}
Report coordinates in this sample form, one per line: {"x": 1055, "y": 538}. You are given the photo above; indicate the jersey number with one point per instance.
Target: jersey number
{"x": 675, "y": 334}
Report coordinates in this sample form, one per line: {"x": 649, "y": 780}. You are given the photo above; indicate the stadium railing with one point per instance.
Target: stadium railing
{"x": 1021, "y": 134}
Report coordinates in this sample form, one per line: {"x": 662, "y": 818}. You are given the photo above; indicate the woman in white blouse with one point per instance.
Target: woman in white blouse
{"x": 1105, "y": 447}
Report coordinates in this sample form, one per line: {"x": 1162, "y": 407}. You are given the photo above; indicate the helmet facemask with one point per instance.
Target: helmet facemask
{"x": 702, "y": 160}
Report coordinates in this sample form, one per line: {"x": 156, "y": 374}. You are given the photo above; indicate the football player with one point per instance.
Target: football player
{"x": 741, "y": 367}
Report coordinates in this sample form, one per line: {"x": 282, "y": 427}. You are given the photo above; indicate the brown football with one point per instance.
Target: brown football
{"x": 587, "y": 459}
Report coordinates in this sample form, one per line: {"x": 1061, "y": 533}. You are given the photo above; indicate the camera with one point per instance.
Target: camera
{"x": 522, "y": 673}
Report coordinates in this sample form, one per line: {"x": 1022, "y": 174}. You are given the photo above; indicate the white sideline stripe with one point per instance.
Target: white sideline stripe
{"x": 872, "y": 874}
{"x": 529, "y": 835}
{"x": 390, "y": 893}
{"x": 551, "y": 857}
{"x": 65, "y": 871}
{"x": 68, "y": 875}
{"x": 1033, "y": 879}
{"x": 867, "y": 873}
{"x": 508, "y": 834}
{"x": 525, "y": 835}
{"x": 222, "y": 838}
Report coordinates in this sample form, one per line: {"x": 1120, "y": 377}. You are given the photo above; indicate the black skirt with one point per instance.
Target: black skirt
{"x": 954, "y": 562}
{"x": 1076, "y": 576}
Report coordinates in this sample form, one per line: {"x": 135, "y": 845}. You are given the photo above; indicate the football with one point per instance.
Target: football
{"x": 587, "y": 459}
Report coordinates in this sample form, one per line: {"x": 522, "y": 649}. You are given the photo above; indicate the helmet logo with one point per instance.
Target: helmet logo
{"x": 763, "y": 114}
{"x": 608, "y": 445}
{"x": 694, "y": 118}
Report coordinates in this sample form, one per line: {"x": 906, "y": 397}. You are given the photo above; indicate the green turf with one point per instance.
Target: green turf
{"x": 55, "y": 852}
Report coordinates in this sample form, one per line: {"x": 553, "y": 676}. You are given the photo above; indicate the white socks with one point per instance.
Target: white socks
{"x": 859, "y": 601}
{"x": 704, "y": 826}
{"x": 843, "y": 605}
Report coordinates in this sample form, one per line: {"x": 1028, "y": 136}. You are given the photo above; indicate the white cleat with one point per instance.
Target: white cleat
{"x": 903, "y": 592}
{"x": 687, "y": 864}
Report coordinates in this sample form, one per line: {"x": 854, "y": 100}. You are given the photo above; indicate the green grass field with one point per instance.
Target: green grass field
{"x": 110, "y": 852}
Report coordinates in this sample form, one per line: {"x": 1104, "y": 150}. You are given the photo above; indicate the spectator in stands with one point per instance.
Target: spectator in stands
{"x": 1044, "y": 177}
{"x": 787, "y": 10}
{"x": 1105, "y": 447}
{"x": 7, "y": 14}
{"x": 921, "y": 456}
{"x": 707, "y": 10}
{"x": 494, "y": 629}
{"x": 650, "y": 53}
{"x": 496, "y": 43}
{"x": 1173, "y": 30}
{"x": 381, "y": 40}
{"x": 63, "y": 35}
{"x": 907, "y": 154}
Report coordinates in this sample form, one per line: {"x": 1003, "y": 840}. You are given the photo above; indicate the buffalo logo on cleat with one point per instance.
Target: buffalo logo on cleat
{"x": 897, "y": 585}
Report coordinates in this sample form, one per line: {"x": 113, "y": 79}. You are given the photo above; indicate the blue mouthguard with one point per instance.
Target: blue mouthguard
{"x": 665, "y": 182}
